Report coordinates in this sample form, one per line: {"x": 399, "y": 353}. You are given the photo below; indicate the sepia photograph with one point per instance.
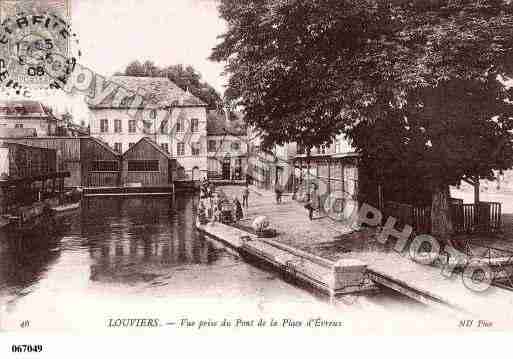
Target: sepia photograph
{"x": 287, "y": 168}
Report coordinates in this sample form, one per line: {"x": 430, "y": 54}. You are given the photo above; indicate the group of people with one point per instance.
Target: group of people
{"x": 216, "y": 207}
{"x": 207, "y": 189}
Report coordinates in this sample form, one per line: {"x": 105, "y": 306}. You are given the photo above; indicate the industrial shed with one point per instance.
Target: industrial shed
{"x": 27, "y": 174}
{"x": 90, "y": 162}
{"x": 146, "y": 164}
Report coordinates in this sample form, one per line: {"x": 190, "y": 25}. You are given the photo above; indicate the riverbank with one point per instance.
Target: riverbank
{"x": 322, "y": 236}
{"x": 335, "y": 243}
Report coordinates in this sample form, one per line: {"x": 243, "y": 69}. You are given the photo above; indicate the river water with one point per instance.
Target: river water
{"x": 141, "y": 258}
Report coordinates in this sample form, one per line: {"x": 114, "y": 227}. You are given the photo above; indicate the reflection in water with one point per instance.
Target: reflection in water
{"x": 130, "y": 238}
{"x": 127, "y": 239}
{"x": 123, "y": 257}
{"x": 23, "y": 261}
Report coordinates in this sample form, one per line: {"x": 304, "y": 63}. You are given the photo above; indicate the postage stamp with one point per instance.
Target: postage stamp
{"x": 35, "y": 49}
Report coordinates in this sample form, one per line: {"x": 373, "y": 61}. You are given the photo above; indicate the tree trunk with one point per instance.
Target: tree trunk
{"x": 476, "y": 191}
{"x": 441, "y": 224}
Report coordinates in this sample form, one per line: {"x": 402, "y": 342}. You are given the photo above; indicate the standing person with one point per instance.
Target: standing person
{"x": 238, "y": 210}
{"x": 309, "y": 207}
{"x": 245, "y": 196}
{"x": 277, "y": 191}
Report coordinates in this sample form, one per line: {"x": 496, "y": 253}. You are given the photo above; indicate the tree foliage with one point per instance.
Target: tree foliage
{"x": 306, "y": 70}
{"x": 412, "y": 82}
{"x": 185, "y": 77}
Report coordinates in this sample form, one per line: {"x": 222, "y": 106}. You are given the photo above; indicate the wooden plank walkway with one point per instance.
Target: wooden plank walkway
{"x": 427, "y": 284}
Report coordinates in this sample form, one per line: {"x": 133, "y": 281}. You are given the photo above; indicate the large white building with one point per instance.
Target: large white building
{"x": 170, "y": 116}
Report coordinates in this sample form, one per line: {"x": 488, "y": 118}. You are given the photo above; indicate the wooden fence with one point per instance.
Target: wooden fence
{"x": 417, "y": 217}
{"x": 466, "y": 218}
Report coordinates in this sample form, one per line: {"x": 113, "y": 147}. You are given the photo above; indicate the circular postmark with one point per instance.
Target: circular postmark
{"x": 36, "y": 50}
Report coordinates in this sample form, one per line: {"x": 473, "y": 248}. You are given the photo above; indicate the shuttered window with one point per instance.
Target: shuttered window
{"x": 104, "y": 125}
{"x": 143, "y": 166}
{"x": 194, "y": 125}
{"x": 180, "y": 149}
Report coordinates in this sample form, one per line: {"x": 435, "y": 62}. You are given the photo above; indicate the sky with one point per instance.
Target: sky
{"x": 112, "y": 33}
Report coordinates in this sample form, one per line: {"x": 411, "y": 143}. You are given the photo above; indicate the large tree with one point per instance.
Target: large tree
{"x": 186, "y": 77}
{"x": 306, "y": 70}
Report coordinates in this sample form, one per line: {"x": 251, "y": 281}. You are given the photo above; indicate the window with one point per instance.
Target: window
{"x": 194, "y": 125}
{"x": 322, "y": 150}
{"x": 163, "y": 127}
{"x": 180, "y": 149}
{"x": 104, "y": 125}
{"x": 131, "y": 126}
{"x": 131, "y": 144}
{"x": 165, "y": 147}
{"x": 195, "y": 149}
{"x": 117, "y": 126}
{"x": 18, "y": 125}
{"x": 104, "y": 166}
{"x": 211, "y": 145}
{"x": 300, "y": 150}
{"x": 153, "y": 114}
{"x": 143, "y": 166}
{"x": 179, "y": 125}
{"x": 118, "y": 146}
{"x": 180, "y": 173}
{"x": 235, "y": 146}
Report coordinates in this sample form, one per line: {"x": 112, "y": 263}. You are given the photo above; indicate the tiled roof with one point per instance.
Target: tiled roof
{"x": 25, "y": 108}
{"x": 158, "y": 92}
{"x": 218, "y": 125}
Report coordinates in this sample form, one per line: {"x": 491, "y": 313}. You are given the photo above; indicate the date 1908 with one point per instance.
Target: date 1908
{"x": 26, "y": 348}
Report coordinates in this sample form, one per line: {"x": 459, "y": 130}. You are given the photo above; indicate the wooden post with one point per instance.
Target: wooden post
{"x": 342, "y": 176}
{"x": 301, "y": 171}
{"x": 293, "y": 175}
{"x": 329, "y": 178}
{"x": 477, "y": 208}
{"x": 476, "y": 191}
{"x": 308, "y": 175}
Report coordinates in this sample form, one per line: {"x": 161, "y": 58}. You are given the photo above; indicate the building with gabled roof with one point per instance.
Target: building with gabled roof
{"x": 146, "y": 164}
{"x": 28, "y": 114}
{"x": 173, "y": 118}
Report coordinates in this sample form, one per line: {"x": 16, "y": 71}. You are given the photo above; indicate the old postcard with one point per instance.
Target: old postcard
{"x": 282, "y": 167}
